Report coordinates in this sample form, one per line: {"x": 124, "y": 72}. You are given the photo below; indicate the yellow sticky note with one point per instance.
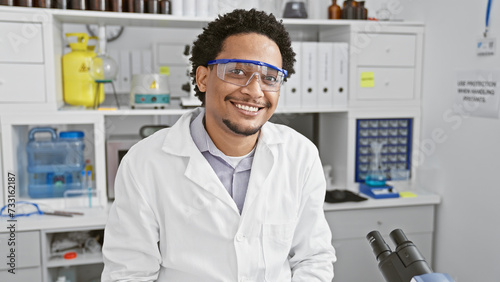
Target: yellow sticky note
{"x": 367, "y": 79}
{"x": 164, "y": 70}
{"x": 407, "y": 194}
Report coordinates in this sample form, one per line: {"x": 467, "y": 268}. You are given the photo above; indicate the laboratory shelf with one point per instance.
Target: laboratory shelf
{"x": 81, "y": 259}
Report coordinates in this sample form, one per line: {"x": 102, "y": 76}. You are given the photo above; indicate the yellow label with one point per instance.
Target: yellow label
{"x": 164, "y": 70}
{"x": 367, "y": 79}
{"x": 153, "y": 85}
{"x": 83, "y": 68}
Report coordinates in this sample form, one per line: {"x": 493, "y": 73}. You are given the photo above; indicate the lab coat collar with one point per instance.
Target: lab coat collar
{"x": 178, "y": 141}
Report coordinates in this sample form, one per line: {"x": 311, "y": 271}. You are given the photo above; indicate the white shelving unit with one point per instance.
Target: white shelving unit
{"x": 392, "y": 51}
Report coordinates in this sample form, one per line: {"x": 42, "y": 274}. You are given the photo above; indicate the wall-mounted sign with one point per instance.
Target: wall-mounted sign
{"x": 478, "y": 92}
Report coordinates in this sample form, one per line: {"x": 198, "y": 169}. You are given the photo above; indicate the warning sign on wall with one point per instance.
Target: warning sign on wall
{"x": 478, "y": 92}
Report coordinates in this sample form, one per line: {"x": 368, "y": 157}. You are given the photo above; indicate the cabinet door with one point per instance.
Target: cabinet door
{"x": 21, "y": 42}
{"x": 33, "y": 274}
{"x": 386, "y": 49}
{"x": 22, "y": 83}
{"x": 388, "y": 84}
{"x": 27, "y": 249}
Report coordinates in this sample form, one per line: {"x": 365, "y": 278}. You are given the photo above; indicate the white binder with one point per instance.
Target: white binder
{"x": 340, "y": 74}
{"x": 291, "y": 88}
{"x": 309, "y": 69}
{"x": 325, "y": 75}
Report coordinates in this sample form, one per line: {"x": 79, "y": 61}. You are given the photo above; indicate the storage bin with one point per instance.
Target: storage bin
{"x": 55, "y": 163}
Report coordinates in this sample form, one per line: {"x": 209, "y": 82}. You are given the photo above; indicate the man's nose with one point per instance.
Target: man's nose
{"x": 254, "y": 86}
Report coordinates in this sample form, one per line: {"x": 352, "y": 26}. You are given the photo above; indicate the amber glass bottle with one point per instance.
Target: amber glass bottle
{"x": 334, "y": 11}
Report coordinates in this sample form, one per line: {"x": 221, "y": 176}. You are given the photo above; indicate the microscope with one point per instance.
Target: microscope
{"x": 406, "y": 263}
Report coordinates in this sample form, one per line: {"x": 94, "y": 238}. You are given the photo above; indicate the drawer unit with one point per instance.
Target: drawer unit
{"x": 27, "y": 251}
{"x": 347, "y": 224}
{"x": 22, "y": 275}
{"x": 22, "y": 83}
{"x": 397, "y": 50}
{"x": 389, "y": 84}
{"x": 22, "y": 42}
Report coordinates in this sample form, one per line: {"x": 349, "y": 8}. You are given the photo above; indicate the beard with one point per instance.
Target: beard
{"x": 236, "y": 129}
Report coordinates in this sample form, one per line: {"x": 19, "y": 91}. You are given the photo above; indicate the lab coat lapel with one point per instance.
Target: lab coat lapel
{"x": 263, "y": 163}
{"x": 179, "y": 142}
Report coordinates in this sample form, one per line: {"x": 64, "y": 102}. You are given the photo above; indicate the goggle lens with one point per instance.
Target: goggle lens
{"x": 241, "y": 73}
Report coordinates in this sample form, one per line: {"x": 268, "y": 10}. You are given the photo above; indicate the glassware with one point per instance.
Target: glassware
{"x": 348, "y": 10}
{"x": 295, "y": 9}
{"x": 376, "y": 176}
{"x": 334, "y": 11}
{"x": 383, "y": 14}
{"x": 361, "y": 11}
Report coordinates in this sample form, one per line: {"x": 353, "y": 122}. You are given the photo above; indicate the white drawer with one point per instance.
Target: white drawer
{"x": 22, "y": 83}
{"x": 33, "y": 274}
{"x": 27, "y": 247}
{"x": 389, "y": 84}
{"x": 386, "y": 49}
{"x": 21, "y": 42}
{"x": 347, "y": 224}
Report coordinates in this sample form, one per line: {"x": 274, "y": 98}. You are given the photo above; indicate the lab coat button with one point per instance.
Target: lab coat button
{"x": 240, "y": 238}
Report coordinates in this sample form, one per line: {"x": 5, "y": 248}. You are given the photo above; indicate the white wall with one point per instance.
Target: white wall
{"x": 464, "y": 165}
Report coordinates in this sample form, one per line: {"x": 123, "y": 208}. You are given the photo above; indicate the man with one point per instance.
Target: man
{"x": 224, "y": 195}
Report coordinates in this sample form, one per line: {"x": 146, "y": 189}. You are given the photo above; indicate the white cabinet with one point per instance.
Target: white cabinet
{"x": 26, "y": 259}
{"x": 26, "y": 65}
{"x": 15, "y": 130}
{"x": 355, "y": 258}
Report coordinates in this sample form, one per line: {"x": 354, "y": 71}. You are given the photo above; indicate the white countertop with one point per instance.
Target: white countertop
{"x": 422, "y": 198}
{"x": 97, "y": 217}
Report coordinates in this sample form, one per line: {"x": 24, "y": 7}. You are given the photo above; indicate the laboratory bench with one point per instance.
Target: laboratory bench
{"x": 350, "y": 222}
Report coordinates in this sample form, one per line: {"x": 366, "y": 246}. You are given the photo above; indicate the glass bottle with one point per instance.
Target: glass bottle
{"x": 376, "y": 176}
{"x": 295, "y": 9}
{"x": 349, "y": 11}
{"x": 361, "y": 11}
{"x": 383, "y": 14}
{"x": 334, "y": 11}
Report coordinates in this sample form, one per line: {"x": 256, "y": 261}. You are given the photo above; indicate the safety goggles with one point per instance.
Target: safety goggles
{"x": 241, "y": 72}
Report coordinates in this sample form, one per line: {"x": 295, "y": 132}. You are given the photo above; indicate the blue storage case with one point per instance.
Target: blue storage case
{"x": 396, "y": 133}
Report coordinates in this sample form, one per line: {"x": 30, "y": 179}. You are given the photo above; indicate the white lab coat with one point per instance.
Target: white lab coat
{"x": 173, "y": 220}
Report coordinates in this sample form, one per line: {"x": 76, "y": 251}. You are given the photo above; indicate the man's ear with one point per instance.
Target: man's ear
{"x": 202, "y": 78}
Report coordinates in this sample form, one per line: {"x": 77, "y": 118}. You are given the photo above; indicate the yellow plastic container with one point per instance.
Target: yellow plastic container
{"x": 79, "y": 87}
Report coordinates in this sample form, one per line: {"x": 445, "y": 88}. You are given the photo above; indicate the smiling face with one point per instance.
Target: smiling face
{"x": 232, "y": 110}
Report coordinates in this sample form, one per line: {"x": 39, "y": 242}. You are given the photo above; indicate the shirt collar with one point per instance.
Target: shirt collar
{"x": 205, "y": 143}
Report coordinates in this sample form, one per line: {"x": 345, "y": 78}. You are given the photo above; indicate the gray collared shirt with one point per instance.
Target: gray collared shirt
{"x": 235, "y": 179}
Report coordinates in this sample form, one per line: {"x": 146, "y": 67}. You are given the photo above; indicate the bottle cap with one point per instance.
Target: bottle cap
{"x": 71, "y": 134}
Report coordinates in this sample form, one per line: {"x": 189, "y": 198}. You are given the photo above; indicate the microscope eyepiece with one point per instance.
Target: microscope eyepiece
{"x": 399, "y": 238}
{"x": 380, "y": 248}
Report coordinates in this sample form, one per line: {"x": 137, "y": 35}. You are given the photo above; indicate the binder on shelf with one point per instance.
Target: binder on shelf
{"x": 292, "y": 87}
{"x": 309, "y": 69}
{"x": 325, "y": 74}
{"x": 340, "y": 73}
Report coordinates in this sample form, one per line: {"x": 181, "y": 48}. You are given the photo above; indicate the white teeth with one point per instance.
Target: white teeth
{"x": 247, "y": 108}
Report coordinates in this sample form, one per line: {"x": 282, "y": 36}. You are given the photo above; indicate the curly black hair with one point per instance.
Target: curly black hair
{"x": 209, "y": 43}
